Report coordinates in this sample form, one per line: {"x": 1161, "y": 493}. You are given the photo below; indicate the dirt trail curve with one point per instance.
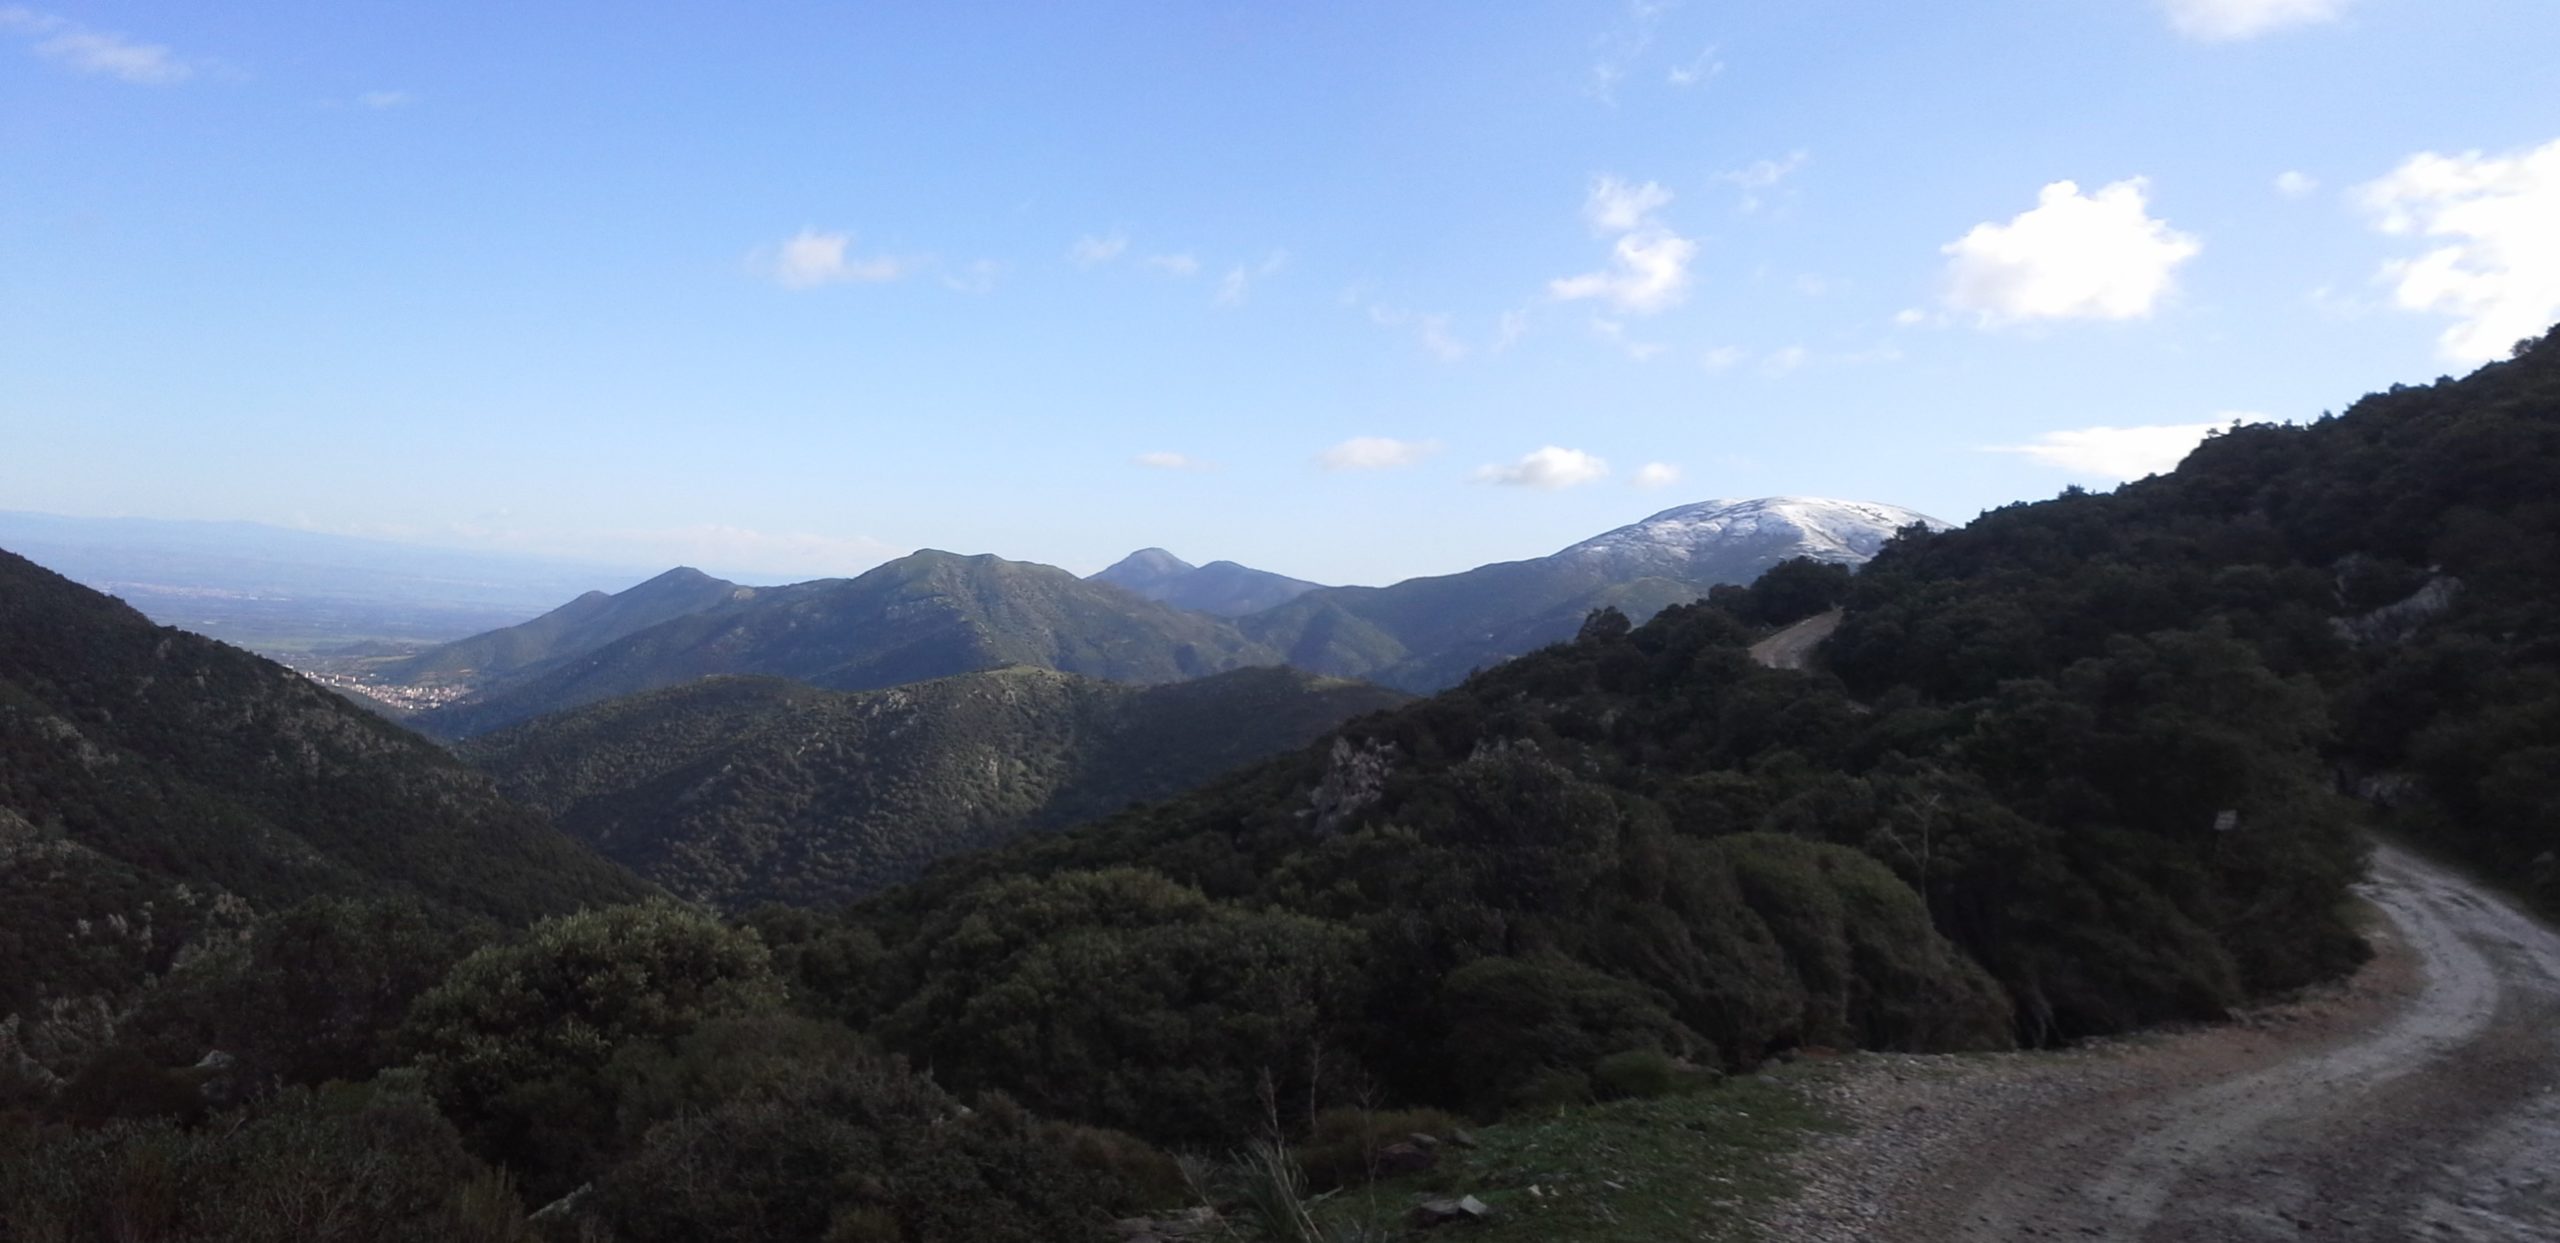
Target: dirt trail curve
{"x": 2419, "y": 1102}
{"x": 1792, "y": 647}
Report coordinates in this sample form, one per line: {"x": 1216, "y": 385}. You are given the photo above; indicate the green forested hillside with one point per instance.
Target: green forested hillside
{"x": 928, "y": 615}
{"x": 565, "y": 633}
{"x": 733, "y": 791}
{"x": 2089, "y": 763}
{"x": 156, "y": 785}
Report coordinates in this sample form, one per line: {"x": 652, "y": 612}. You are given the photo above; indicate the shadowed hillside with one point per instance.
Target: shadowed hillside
{"x": 739, "y": 790}
{"x": 154, "y": 783}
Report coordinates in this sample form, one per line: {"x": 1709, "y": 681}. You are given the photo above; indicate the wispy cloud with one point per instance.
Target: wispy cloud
{"x": 1615, "y": 52}
{"x": 2294, "y": 184}
{"x": 1759, "y": 177}
{"x": 976, "y": 277}
{"x": 1094, "y": 250}
{"x": 1430, "y": 328}
{"x": 1178, "y": 266}
{"x": 1237, "y": 284}
{"x": 1376, "y": 453}
{"x": 2227, "y": 21}
{"x": 1649, "y": 263}
{"x": 68, "y": 43}
{"x": 2120, "y": 453}
{"x": 1163, "y": 460}
{"x": 811, "y": 259}
{"x": 2072, "y": 256}
{"x": 2497, "y": 269}
{"x": 1547, "y": 468}
{"x": 1705, "y": 67}
{"x": 384, "y": 100}
{"x": 1615, "y": 333}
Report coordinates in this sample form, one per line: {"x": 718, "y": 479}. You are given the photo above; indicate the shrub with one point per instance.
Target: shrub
{"x": 1342, "y": 1144}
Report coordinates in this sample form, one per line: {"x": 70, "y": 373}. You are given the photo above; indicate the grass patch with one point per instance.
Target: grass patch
{"x": 1691, "y": 1166}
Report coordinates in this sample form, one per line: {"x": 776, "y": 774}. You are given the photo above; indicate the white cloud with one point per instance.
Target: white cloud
{"x": 2119, "y": 453}
{"x": 2224, "y": 21}
{"x": 2294, "y": 184}
{"x": 1648, "y": 272}
{"x": 1376, "y": 453}
{"x": 381, "y": 100}
{"x": 2497, "y": 270}
{"x": 1616, "y": 207}
{"x": 2072, "y": 256}
{"x": 1177, "y": 266}
{"x": 1722, "y": 358}
{"x": 1171, "y": 461}
{"x": 1656, "y": 475}
{"x": 1649, "y": 264}
{"x": 1508, "y": 330}
{"x": 93, "y": 51}
{"x": 1780, "y": 362}
{"x": 811, "y": 259}
{"x": 1547, "y": 469}
{"x": 1093, "y": 250}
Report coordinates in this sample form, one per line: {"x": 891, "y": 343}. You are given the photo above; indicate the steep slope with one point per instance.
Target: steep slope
{"x": 1220, "y": 588}
{"x": 1426, "y": 633}
{"x": 928, "y": 615}
{"x": 152, "y": 781}
{"x": 572, "y": 630}
{"x": 740, "y": 790}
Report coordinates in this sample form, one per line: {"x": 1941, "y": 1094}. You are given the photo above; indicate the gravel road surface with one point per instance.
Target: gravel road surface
{"x": 2418, "y": 1101}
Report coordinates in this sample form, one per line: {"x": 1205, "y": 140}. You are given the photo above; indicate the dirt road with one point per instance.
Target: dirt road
{"x": 2421, "y": 1101}
{"x": 1792, "y": 647}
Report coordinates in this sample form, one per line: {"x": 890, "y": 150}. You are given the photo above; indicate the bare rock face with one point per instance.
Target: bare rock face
{"x": 1436, "y": 1213}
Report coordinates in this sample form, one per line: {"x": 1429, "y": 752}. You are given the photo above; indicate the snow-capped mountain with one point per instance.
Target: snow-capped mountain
{"x": 1731, "y": 540}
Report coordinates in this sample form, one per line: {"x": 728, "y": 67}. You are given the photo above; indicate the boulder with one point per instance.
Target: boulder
{"x": 1435, "y": 1213}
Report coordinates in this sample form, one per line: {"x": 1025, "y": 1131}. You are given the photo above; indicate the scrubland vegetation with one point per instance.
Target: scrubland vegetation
{"x": 2086, "y": 764}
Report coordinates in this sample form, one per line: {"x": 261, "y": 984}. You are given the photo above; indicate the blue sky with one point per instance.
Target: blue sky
{"x": 1352, "y": 292}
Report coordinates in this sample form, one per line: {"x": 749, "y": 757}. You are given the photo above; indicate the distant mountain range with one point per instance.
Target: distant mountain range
{"x": 1150, "y": 618}
{"x": 735, "y": 791}
{"x": 1424, "y": 634}
{"x": 1220, "y": 588}
{"x": 927, "y": 615}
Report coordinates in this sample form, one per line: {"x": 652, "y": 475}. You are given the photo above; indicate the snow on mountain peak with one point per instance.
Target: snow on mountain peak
{"x": 1767, "y": 530}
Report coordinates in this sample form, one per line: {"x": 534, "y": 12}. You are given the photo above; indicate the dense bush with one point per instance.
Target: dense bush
{"x": 855, "y": 1151}
{"x": 515, "y": 1042}
{"x": 353, "y": 1165}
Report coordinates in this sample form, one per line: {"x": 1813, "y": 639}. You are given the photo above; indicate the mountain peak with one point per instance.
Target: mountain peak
{"x": 1145, "y": 569}
{"x": 1817, "y": 527}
